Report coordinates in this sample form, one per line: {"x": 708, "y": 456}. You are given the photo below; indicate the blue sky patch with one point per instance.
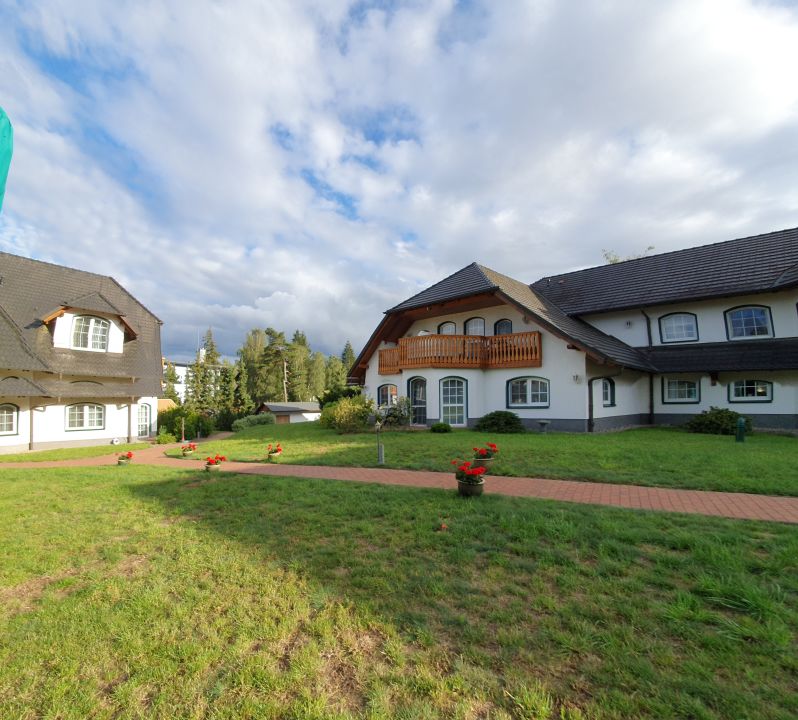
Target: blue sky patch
{"x": 346, "y": 205}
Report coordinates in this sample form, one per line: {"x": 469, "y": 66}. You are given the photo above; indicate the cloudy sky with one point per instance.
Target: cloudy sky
{"x": 308, "y": 164}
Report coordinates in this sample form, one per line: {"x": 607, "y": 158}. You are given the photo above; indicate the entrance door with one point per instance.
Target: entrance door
{"x": 418, "y": 401}
{"x": 144, "y": 420}
{"x": 453, "y": 401}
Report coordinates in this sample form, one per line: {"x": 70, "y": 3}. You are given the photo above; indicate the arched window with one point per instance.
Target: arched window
{"x": 503, "y": 327}
{"x": 144, "y": 420}
{"x": 90, "y": 333}
{"x": 527, "y": 392}
{"x": 386, "y": 395}
{"x": 752, "y": 321}
{"x": 9, "y": 416}
{"x": 447, "y": 328}
{"x": 475, "y": 326}
{"x": 417, "y": 392}
{"x": 678, "y": 327}
{"x": 608, "y": 392}
{"x": 85, "y": 416}
{"x": 453, "y": 400}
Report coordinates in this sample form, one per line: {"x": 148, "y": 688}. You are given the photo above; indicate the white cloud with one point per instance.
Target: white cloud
{"x": 178, "y": 150}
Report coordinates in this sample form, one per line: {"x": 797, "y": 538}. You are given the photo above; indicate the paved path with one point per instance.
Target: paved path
{"x": 731, "y": 505}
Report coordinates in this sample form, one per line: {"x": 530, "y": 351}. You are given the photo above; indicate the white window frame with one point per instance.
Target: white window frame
{"x": 392, "y": 397}
{"x": 96, "y": 340}
{"x": 608, "y": 392}
{"x": 680, "y": 397}
{"x": 454, "y": 413}
{"x": 537, "y": 392}
{"x": 730, "y": 324}
{"x": 754, "y": 385}
{"x": 467, "y": 327}
{"x": 7, "y": 410}
{"x": 85, "y": 413}
{"x": 146, "y": 423}
{"x": 674, "y": 329}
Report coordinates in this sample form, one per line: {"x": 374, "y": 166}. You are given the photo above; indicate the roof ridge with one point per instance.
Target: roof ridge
{"x": 669, "y": 252}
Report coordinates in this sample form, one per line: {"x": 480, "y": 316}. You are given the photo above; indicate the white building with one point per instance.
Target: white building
{"x": 80, "y": 358}
{"x": 649, "y": 341}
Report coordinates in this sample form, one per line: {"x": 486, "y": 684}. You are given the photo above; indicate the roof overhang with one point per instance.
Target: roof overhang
{"x": 61, "y": 309}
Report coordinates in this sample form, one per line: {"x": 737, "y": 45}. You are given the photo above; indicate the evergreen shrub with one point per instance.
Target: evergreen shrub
{"x": 348, "y": 415}
{"x": 440, "y": 427}
{"x": 500, "y": 421}
{"x": 396, "y": 415}
{"x": 717, "y": 421}
{"x": 266, "y": 418}
{"x": 164, "y": 438}
{"x": 196, "y": 423}
{"x": 334, "y": 394}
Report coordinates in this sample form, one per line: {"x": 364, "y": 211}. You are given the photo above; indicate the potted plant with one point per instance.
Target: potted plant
{"x": 470, "y": 480}
{"x": 124, "y": 458}
{"x": 214, "y": 463}
{"x": 273, "y": 452}
{"x": 188, "y": 449}
{"x": 483, "y": 456}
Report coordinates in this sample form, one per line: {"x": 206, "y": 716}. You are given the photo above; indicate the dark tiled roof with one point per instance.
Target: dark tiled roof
{"x": 15, "y": 353}
{"x": 580, "y": 332}
{"x": 471, "y": 280}
{"x": 779, "y": 354}
{"x": 20, "y": 387}
{"x": 30, "y": 289}
{"x": 762, "y": 263}
{"x": 87, "y": 389}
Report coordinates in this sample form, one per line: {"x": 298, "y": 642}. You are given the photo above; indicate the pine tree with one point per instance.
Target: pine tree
{"x": 171, "y": 379}
{"x": 335, "y": 373}
{"x": 348, "y": 357}
{"x": 298, "y": 357}
{"x": 243, "y": 402}
{"x": 274, "y": 366}
{"x": 211, "y": 353}
{"x": 251, "y": 360}
{"x": 317, "y": 376}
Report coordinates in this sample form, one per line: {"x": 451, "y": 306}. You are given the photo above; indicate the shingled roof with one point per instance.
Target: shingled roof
{"x": 31, "y": 290}
{"x": 757, "y": 264}
{"x": 471, "y": 280}
{"x": 777, "y": 354}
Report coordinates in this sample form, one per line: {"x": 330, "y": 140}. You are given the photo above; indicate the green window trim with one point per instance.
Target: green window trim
{"x": 688, "y": 401}
{"x": 528, "y": 379}
{"x": 447, "y": 417}
{"x": 9, "y": 414}
{"x": 756, "y": 398}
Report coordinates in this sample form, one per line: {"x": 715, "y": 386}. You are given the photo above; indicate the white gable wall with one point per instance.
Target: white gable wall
{"x": 62, "y": 333}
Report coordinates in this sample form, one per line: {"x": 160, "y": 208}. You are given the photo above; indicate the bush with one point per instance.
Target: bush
{"x": 225, "y": 418}
{"x": 252, "y": 420}
{"x": 717, "y": 421}
{"x": 440, "y": 427}
{"x": 347, "y": 415}
{"x": 164, "y": 438}
{"x": 169, "y": 421}
{"x": 334, "y": 394}
{"x": 396, "y": 415}
{"x": 500, "y": 421}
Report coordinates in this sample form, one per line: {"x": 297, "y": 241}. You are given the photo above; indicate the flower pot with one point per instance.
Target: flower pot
{"x": 467, "y": 489}
{"x": 211, "y": 468}
{"x": 123, "y": 461}
{"x": 187, "y": 452}
{"x": 482, "y": 462}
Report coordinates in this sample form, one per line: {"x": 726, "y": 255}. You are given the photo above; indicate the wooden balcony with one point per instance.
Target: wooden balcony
{"x": 462, "y": 351}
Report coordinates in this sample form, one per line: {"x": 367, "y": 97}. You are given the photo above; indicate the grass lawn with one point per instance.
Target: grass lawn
{"x": 653, "y": 456}
{"x": 72, "y": 453}
{"x": 149, "y": 592}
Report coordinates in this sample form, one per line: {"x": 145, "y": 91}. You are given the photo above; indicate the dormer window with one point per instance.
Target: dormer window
{"x": 90, "y": 333}
{"x": 678, "y": 327}
{"x": 744, "y": 323}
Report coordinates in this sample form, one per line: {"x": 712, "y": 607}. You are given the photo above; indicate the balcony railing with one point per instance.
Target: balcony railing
{"x": 462, "y": 351}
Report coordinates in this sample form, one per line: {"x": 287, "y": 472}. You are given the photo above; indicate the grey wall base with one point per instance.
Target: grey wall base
{"x": 769, "y": 421}
{"x": 620, "y": 421}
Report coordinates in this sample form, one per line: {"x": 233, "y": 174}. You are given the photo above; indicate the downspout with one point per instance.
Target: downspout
{"x": 590, "y": 422}
{"x": 130, "y": 420}
{"x": 650, "y": 374}
{"x": 30, "y": 423}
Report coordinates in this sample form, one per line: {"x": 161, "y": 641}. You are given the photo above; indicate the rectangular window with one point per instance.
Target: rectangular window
{"x": 680, "y": 391}
{"x": 750, "y": 391}
{"x": 453, "y": 401}
{"x": 85, "y": 417}
{"x": 8, "y": 419}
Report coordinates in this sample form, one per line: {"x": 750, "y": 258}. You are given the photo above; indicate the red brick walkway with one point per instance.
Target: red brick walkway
{"x": 731, "y": 505}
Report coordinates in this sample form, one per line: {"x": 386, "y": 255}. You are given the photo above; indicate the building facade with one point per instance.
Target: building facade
{"x": 654, "y": 340}
{"x": 80, "y": 359}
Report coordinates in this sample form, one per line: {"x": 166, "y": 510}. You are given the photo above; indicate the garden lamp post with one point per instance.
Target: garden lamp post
{"x": 380, "y": 449}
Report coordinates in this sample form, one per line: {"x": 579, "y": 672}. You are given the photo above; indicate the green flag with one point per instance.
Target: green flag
{"x": 6, "y": 147}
